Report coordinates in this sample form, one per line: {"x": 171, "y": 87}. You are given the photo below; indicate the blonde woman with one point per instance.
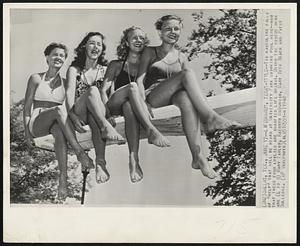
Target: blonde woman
{"x": 125, "y": 99}
{"x": 165, "y": 78}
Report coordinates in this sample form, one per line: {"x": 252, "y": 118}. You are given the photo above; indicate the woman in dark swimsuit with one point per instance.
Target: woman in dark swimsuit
{"x": 165, "y": 75}
{"x": 83, "y": 100}
{"x": 125, "y": 99}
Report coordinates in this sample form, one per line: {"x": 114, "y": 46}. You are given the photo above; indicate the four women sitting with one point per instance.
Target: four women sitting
{"x": 94, "y": 93}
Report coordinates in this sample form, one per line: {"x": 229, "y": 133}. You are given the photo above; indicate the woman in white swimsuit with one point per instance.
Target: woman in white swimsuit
{"x": 164, "y": 78}
{"x": 44, "y": 113}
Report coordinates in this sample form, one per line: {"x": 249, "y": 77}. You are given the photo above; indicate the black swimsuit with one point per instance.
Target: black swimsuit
{"x": 123, "y": 78}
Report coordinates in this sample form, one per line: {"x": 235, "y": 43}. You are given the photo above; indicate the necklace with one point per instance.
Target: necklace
{"x": 85, "y": 78}
{"x": 128, "y": 73}
{"x": 51, "y": 82}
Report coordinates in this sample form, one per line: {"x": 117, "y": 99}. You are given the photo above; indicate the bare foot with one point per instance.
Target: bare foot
{"x": 108, "y": 132}
{"x": 203, "y": 165}
{"x": 136, "y": 173}
{"x": 85, "y": 160}
{"x": 217, "y": 122}
{"x": 102, "y": 174}
{"x": 156, "y": 138}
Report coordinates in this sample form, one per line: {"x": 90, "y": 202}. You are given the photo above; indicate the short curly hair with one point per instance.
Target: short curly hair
{"x": 158, "y": 24}
{"x": 80, "y": 54}
{"x": 123, "y": 49}
{"x": 53, "y": 46}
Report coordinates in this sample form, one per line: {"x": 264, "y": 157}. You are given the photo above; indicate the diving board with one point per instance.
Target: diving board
{"x": 239, "y": 106}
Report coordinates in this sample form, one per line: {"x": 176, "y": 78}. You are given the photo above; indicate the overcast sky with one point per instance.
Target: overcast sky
{"x": 33, "y": 29}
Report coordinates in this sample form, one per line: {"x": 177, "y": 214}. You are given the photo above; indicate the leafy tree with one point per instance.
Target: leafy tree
{"x": 34, "y": 172}
{"x": 230, "y": 40}
{"x": 234, "y": 150}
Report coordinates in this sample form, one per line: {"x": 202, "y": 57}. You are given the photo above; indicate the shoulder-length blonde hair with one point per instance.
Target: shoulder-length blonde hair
{"x": 123, "y": 49}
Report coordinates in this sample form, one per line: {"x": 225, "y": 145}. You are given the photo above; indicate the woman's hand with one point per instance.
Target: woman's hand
{"x": 77, "y": 122}
{"x": 112, "y": 121}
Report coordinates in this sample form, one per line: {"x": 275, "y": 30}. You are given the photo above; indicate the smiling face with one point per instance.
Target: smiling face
{"x": 56, "y": 58}
{"x": 94, "y": 47}
{"x": 136, "y": 40}
{"x": 170, "y": 31}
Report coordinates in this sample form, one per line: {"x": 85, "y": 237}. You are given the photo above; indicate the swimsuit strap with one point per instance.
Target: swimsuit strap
{"x": 156, "y": 52}
{"x": 179, "y": 58}
{"x": 123, "y": 64}
{"x": 122, "y": 69}
{"x": 44, "y": 76}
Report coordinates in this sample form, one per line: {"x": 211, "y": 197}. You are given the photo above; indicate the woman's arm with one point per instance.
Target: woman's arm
{"x": 184, "y": 61}
{"x": 70, "y": 87}
{"x": 143, "y": 67}
{"x": 109, "y": 79}
{"x": 29, "y": 96}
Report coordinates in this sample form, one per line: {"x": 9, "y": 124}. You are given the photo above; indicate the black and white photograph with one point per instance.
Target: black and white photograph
{"x": 146, "y": 108}
{"x": 77, "y": 74}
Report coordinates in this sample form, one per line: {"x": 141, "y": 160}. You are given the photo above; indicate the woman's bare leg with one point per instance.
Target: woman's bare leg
{"x": 102, "y": 174}
{"x": 91, "y": 102}
{"x": 131, "y": 93}
{"x": 162, "y": 94}
{"x": 132, "y": 130}
{"x": 60, "y": 146}
{"x": 58, "y": 114}
{"x": 191, "y": 128}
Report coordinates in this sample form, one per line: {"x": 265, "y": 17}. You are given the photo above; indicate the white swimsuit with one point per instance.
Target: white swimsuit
{"x": 45, "y": 93}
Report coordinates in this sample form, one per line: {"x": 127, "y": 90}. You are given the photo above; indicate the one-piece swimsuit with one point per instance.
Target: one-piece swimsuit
{"x": 82, "y": 85}
{"x": 123, "y": 77}
{"x": 159, "y": 71}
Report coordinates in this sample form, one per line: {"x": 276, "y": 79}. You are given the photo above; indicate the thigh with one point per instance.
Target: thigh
{"x": 161, "y": 95}
{"x": 117, "y": 99}
{"x": 43, "y": 122}
{"x": 80, "y": 107}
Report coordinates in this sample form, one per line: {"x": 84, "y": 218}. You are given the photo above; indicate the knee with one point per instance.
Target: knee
{"x": 61, "y": 111}
{"x": 186, "y": 74}
{"x": 93, "y": 91}
{"x": 133, "y": 88}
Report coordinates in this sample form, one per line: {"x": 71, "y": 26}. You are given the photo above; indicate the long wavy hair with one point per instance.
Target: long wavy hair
{"x": 80, "y": 51}
{"x": 123, "y": 48}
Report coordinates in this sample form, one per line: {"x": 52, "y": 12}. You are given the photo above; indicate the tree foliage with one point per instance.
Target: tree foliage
{"x": 234, "y": 150}
{"x": 34, "y": 172}
{"x": 230, "y": 40}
